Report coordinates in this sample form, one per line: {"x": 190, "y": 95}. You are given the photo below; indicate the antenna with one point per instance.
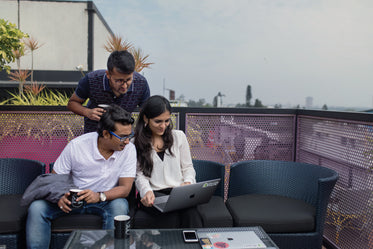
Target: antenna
{"x": 171, "y": 93}
{"x": 164, "y": 85}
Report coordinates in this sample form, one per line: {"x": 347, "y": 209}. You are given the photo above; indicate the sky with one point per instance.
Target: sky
{"x": 286, "y": 50}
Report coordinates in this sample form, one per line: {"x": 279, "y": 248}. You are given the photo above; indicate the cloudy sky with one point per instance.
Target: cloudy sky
{"x": 285, "y": 49}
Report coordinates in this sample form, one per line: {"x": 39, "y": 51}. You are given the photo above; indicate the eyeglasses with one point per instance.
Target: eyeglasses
{"x": 121, "y": 81}
{"x": 124, "y": 138}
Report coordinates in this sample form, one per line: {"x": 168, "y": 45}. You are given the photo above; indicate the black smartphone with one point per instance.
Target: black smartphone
{"x": 190, "y": 236}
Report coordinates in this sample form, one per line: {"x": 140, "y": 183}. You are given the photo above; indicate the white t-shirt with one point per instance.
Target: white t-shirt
{"x": 172, "y": 171}
{"x": 89, "y": 169}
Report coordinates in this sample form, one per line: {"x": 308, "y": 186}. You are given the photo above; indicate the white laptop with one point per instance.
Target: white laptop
{"x": 186, "y": 196}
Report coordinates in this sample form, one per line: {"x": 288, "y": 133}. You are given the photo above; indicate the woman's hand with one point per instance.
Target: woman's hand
{"x": 148, "y": 199}
{"x": 185, "y": 183}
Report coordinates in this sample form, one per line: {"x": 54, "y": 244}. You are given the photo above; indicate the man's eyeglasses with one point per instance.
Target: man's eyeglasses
{"x": 124, "y": 138}
{"x": 121, "y": 82}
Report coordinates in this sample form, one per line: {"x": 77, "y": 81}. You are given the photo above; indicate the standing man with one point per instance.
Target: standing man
{"x": 119, "y": 84}
{"x": 102, "y": 164}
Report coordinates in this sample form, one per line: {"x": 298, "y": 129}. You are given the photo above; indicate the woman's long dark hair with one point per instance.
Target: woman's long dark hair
{"x": 153, "y": 107}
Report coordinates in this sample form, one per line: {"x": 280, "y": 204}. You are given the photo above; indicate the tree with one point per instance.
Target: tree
{"x": 215, "y": 101}
{"x": 241, "y": 105}
{"x": 325, "y": 107}
{"x": 248, "y": 95}
{"x": 10, "y": 41}
{"x": 199, "y": 103}
{"x": 258, "y": 103}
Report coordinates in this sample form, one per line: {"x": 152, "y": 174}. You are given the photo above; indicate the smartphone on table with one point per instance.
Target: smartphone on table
{"x": 190, "y": 236}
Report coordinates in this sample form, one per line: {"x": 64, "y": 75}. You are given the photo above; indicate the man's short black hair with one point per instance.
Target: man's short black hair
{"x": 122, "y": 61}
{"x": 113, "y": 114}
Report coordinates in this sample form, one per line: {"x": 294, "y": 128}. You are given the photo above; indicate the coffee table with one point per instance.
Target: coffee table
{"x": 149, "y": 238}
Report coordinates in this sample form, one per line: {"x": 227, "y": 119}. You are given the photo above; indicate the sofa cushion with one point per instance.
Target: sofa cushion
{"x": 76, "y": 221}
{"x": 215, "y": 213}
{"x": 276, "y": 214}
{"x": 12, "y": 215}
{"x": 144, "y": 220}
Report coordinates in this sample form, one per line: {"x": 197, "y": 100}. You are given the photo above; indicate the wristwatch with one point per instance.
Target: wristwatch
{"x": 102, "y": 196}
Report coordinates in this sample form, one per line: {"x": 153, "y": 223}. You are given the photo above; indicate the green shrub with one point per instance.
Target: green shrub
{"x": 45, "y": 97}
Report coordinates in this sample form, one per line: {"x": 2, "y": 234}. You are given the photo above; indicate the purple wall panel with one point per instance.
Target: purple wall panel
{"x": 347, "y": 147}
{"x": 230, "y": 138}
{"x": 39, "y": 136}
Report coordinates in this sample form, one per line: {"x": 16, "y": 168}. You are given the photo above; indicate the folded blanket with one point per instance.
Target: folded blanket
{"x": 50, "y": 187}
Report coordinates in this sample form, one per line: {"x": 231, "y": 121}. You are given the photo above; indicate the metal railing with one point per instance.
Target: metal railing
{"x": 342, "y": 141}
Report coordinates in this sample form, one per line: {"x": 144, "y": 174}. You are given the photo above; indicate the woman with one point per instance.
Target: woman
{"x": 164, "y": 162}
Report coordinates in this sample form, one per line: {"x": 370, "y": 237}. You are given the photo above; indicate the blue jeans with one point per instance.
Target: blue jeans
{"x": 41, "y": 213}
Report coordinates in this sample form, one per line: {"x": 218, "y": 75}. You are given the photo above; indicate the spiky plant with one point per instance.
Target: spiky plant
{"x": 117, "y": 43}
{"x": 34, "y": 88}
{"x": 20, "y": 76}
{"x": 17, "y": 55}
{"x": 32, "y": 44}
{"x": 45, "y": 97}
{"x": 140, "y": 59}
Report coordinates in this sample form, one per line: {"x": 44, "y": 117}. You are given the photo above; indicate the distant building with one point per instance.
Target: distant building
{"x": 309, "y": 102}
{"x": 178, "y": 103}
{"x": 339, "y": 142}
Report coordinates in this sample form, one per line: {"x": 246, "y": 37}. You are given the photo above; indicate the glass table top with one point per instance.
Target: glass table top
{"x": 149, "y": 238}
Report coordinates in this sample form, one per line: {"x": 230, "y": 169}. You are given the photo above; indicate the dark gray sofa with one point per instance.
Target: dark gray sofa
{"x": 15, "y": 176}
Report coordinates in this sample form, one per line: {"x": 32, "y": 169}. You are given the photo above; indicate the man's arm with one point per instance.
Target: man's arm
{"x": 122, "y": 190}
{"x": 75, "y": 105}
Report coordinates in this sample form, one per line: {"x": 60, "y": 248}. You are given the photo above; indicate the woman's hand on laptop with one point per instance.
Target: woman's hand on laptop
{"x": 148, "y": 199}
{"x": 185, "y": 183}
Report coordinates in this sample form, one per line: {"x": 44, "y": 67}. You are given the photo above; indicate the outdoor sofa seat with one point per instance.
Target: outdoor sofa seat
{"x": 288, "y": 199}
{"x": 63, "y": 226}
{"x": 213, "y": 214}
{"x": 15, "y": 176}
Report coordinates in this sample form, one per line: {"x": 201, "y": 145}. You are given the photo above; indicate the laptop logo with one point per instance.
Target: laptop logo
{"x": 209, "y": 184}
{"x": 192, "y": 196}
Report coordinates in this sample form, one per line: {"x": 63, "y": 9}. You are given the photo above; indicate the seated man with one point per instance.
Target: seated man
{"x": 102, "y": 165}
